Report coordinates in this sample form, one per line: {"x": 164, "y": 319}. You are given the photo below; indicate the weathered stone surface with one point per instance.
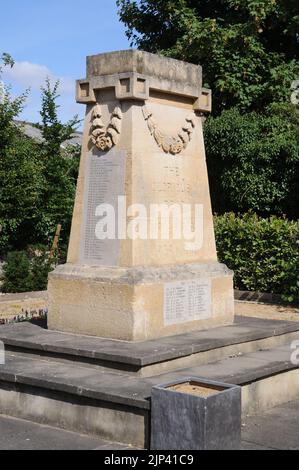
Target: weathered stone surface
{"x": 164, "y": 74}
{"x": 143, "y": 143}
{"x": 135, "y": 299}
{"x": 146, "y": 353}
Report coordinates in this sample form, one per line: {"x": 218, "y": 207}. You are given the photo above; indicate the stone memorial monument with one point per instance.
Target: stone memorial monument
{"x": 142, "y": 259}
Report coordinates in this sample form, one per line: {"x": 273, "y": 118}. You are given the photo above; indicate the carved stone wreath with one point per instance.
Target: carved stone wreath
{"x": 104, "y": 138}
{"x": 170, "y": 144}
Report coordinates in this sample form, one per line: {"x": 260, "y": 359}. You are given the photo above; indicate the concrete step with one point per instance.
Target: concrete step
{"x": 116, "y": 406}
{"x": 152, "y": 357}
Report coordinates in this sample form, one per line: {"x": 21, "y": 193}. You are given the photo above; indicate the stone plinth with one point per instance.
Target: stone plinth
{"x": 143, "y": 158}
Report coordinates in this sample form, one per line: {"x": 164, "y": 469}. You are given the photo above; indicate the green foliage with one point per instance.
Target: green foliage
{"x": 264, "y": 253}
{"x": 16, "y": 272}
{"x": 22, "y": 181}
{"x": 249, "y": 53}
{"x": 37, "y": 180}
{"x": 37, "y": 189}
{"x": 54, "y": 132}
{"x": 248, "y": 49}
{"x": 253, "y": 161}
{"x": 7, "y": 59}
{"x": 60, "y": 168}
{"x": 18, "y": 168}
{"x": 26, "y": 271}
{"x": 9, "y": 109}
{"x": 40, "y": 265}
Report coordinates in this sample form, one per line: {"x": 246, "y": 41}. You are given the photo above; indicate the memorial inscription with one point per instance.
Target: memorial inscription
{"x": 105, "y": 182}
{"x": 171, "y": 183}
{"x": 187, "y": 301}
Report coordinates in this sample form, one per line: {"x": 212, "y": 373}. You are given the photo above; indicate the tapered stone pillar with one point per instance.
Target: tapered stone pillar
{"x": 142, "y": 259}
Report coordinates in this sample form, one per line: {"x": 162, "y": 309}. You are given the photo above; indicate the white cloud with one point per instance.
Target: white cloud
{"x": 33, "y": 76}
{"x": 26, "y": 75}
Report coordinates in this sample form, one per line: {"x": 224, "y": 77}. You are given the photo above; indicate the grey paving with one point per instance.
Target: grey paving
{"x": 245, "y": 329}
{"x": 17, "y": 434}
{"x": 252, "y": 446}
{"x": 277, "y": 428}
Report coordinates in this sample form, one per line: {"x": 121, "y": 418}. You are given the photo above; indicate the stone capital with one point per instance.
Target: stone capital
{"x": 134, "y": 74}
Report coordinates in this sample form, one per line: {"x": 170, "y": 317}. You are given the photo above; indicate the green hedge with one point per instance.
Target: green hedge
{"x": 264, "y": 253}
{"x": 26, "y": 271}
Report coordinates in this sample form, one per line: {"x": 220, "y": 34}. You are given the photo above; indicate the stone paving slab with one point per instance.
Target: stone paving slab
{"x": 277, "y": 428}
{"x": 18, "y": 434}
{"x": 245, "y": 329}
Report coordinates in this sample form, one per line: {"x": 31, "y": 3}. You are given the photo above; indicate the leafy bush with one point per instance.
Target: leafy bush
{"x": 253, "y": 161}
{"x": 26, "y": 271}
{"x": 21, "y": 184}
{"x": 264, "y": 253}
{"x": 37, "y": 180}
{"x": 16, "y": 272}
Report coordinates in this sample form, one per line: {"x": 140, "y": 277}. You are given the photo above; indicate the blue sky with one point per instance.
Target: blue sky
{"x": 52, "y": 38}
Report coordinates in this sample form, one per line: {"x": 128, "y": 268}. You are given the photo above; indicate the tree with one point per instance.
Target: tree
{"x": 16, "y": 272}
{"x": 37, "y": 180}
{"x": 248, "y": 48}
{"x": 249, "y": 52}
{"x": 254, "y": 160}
{"x": 26, "y": 271}
{"x": 60, "y": 167}
{"x": 20, "y": 174}
{"x": 7, "y": 60}
{"x": 9, "y": 108}
{"x": 54, "y": 132}
{"x": 21, "y": 184}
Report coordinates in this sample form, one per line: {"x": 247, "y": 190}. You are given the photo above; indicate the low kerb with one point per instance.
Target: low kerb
{"x": 142, "y": 259}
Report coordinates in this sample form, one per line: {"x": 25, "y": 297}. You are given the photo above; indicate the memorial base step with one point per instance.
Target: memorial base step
{"x": 45, "y": 378}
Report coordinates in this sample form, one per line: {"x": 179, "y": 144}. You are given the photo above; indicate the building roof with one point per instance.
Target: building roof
{"x": 30, "y": 130}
